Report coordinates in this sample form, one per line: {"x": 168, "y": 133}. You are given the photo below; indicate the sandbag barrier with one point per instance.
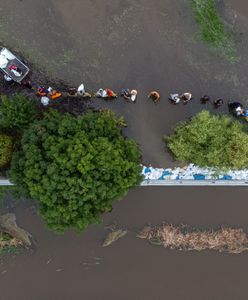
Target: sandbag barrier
{"x": 186, "y": 176}
{"x": 193, "y": 175}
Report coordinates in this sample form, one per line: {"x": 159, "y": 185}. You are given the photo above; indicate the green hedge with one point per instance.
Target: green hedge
{"x": 210, "y": 141}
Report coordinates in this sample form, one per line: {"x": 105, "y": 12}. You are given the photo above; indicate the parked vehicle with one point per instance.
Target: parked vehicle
{"x": 12, "y": 66}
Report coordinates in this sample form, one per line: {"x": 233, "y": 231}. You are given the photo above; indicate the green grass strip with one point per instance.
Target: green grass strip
{"x": 212, "y": 28}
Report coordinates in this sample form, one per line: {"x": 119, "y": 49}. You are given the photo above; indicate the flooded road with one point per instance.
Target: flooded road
{"x": 147, "y": 45}
{"x": 139, "y": 44}
{"x": 75, "y": 265}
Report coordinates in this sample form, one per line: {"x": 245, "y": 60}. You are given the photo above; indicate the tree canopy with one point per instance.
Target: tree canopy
{"x": 75, "y": 167}
{"x": 16, "y": 112}
{"x": 6, "y": 149}
{"x": 210, "y": 141}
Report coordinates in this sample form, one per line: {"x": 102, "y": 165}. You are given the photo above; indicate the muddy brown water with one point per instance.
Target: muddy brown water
{"x": 76, "y": 266}
{"x": 139, "y": 44}
{"x": 147, "y": 45}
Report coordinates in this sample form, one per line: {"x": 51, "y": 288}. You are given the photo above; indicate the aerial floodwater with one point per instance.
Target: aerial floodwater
{"x": 146, "y": 45}
{"x": 62, "y": 265}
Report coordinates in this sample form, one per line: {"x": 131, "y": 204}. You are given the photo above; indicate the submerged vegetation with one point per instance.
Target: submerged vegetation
{"x": 12, "y": 237}
{"x": 184, "y": 238}
{"x": 209, "y": 140}
{"x": 8, "y": 244}
{"x": 213, "y": 30}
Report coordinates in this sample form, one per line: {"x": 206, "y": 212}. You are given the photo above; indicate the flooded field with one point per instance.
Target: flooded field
{"x": 123, "y": 43}
{"x": 75, "y": 265}
{"x": 147, "y": 45}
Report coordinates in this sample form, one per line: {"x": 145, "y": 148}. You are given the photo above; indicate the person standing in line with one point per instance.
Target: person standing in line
{"x": 235, "y": 108}
{"x": 134, "y": 94}
{"x": 129, "y": 95}
{"x": 186, "y": 97}
{"x": 72, "y": 92}
{"x": 110, "y": 93}
{"x": 81, "y": 90}
{"x": 27, "y": 83}
{"x": 204, "y": 99}
{"x": 174, "y": 98}
{"x": 53, "y": 94}
{"x": 154, "y": 95}
{"x": 125, "y": 93}
{"x": 8, "y": 80}
{"x": 218, "y": 102}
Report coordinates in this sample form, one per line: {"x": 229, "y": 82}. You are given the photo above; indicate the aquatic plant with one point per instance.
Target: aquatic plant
{"x": 9, "y": 244}
{"x": 213, "y": 30}
{"x": 185, "y": 238}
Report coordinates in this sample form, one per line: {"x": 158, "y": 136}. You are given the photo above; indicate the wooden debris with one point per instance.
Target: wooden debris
{"x": 113, "y": 237}
{"x": 8, "y": 225}
{"x": 184, "y": 238}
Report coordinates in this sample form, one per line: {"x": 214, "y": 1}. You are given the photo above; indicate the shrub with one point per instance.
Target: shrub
{"x": 75, "y": 167}
{"x": 17, "y": 112}
{"x": 210, "y": 141}
{"x": 6, "y": 149}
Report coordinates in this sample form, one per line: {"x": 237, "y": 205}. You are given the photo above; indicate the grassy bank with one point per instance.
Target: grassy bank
{"x": 212, "y": 28}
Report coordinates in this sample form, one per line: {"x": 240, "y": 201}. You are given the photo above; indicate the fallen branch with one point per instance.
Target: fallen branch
{"x": 113, "y": 237}
{"x": 9, "y": 226}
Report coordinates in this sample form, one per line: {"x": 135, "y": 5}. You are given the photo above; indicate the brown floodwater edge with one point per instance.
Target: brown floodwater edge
{"x": 76, "y": 264}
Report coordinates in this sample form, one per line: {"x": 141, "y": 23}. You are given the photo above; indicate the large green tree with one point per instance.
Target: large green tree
{"x": 17, "y": 112}
{"x": 6, "y": 149}
{"x": 75, "y": 167}
{"x": 210, "y": 141}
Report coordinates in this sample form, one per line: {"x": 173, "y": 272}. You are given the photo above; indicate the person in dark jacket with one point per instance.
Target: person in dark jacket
{"x": 218, "y": 102}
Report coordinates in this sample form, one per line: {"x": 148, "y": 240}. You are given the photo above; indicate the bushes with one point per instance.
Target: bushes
{"x": 75, "y": 167}
{"x": 16, "y": 113}
{"x": 6, "y": 149}
{"x": 210, "y": 141}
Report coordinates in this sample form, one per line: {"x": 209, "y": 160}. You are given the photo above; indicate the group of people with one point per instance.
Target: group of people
{"x": 130, "y": 95}
{"x": 238, "y": 110}
{"x": 186, "y": 97}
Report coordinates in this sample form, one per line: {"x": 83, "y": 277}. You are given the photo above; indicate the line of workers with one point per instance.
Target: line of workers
{"x": 47, "y": 94}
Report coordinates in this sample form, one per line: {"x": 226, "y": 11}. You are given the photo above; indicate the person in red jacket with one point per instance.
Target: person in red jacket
{"x": 110, "y": 93}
